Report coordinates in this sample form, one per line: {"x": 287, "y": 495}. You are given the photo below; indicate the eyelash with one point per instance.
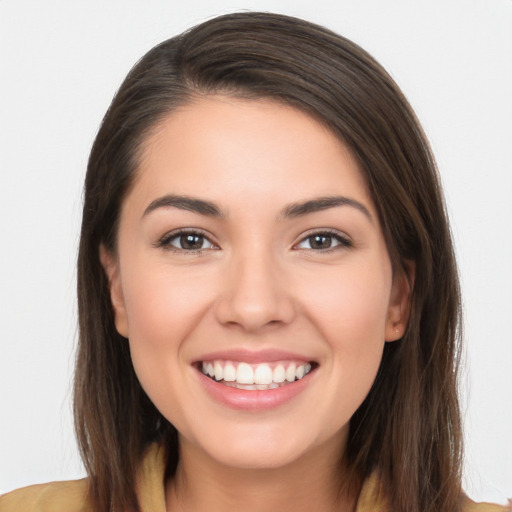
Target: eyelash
{"x": 165, "y": 242}
{"x": 343, "y": 241}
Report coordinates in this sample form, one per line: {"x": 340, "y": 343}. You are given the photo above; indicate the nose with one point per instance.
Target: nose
{"x": 254, "y": 294}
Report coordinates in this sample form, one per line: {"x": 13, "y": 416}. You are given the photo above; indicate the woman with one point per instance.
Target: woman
{"x": 268, "y": 299}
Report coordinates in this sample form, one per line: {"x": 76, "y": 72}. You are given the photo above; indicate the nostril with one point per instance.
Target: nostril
{"x": 255, "y": 296}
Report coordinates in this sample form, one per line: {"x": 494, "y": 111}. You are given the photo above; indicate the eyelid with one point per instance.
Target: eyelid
{"x": 164, "y": 241}
{"x": 345, "y": 242}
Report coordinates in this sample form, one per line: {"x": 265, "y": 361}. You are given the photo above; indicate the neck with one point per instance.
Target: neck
{"x": 315, "y": 482}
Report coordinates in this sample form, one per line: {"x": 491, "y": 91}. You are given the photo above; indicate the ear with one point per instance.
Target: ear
{"x": 111, "y": 268}
{"x": 399, "y": 308}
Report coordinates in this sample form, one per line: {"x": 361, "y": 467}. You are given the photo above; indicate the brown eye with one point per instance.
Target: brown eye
{"x": 320, "y": 241}
{"x": 324, "y": 241}
{"x": 187, "y": 241}
{"x": 190, "y": 242}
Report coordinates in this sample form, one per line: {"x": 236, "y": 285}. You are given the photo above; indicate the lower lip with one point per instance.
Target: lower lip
{"x": 254, "y": 399}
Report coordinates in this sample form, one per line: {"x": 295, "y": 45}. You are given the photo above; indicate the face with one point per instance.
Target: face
{"x": 253, "y": 282}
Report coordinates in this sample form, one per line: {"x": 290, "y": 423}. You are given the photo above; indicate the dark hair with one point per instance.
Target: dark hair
{"x": 408, "y": 428}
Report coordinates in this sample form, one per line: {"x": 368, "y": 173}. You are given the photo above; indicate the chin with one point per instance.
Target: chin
{"x": 260, "y": 446}
{"x": 254, "y": 456}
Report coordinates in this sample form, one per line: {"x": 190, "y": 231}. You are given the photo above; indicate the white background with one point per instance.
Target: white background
{"x": 60, "y": 64}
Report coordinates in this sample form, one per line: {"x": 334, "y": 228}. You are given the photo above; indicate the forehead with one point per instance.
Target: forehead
{"x": 226, "y": 148}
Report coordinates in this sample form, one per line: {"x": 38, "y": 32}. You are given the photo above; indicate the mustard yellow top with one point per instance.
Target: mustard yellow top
{"x": 71, "y": 496}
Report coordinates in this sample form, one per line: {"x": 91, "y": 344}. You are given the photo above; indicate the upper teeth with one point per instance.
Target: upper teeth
{"x": 244, "y": 373}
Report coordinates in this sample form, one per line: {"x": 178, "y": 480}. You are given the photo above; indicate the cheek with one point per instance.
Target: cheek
{"x": 163, "y": 308}
{"x": 350, "y": 312}
{"x": 353, "y": 303}
{"x": 161, "y": 299}
{"x": 351, "y": 316}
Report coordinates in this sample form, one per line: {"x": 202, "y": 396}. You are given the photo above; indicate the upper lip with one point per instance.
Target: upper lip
{"x": 254, "y": 356}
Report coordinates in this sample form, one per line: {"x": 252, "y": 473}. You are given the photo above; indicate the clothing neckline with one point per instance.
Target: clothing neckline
{"x": 150, "y": 487}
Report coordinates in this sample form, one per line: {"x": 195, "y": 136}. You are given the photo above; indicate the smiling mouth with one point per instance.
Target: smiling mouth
{"x": 261, "y": 377}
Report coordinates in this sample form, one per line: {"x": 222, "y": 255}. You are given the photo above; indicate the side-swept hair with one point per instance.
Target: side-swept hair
{"x": 408, "y": 428}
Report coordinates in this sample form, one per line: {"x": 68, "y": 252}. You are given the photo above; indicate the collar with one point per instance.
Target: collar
{"x": 151, "y": 489}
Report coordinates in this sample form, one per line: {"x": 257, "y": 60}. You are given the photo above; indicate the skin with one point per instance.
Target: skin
{"x": 257, "y": 283}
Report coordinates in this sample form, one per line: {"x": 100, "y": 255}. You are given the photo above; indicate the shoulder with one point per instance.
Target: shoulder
{"x": 72, "y": 496}
{"x": 374, "y": 498}
{"x": 472, "y": 506}
{"x": 68, "y": 496}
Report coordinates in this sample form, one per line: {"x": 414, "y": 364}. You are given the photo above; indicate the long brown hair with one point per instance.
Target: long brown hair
{"x": 408, "y": 428}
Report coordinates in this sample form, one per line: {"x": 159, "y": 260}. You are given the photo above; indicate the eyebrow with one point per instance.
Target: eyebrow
{"x": 293, "y": 210}
{"x": 190, "y": 204}
{"x": 323, "y": 203}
